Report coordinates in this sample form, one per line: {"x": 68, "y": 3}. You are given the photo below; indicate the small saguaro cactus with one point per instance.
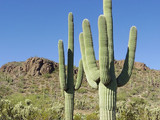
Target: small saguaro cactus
{"x": 67, "y": 83}
{"x": 104, "y": 77}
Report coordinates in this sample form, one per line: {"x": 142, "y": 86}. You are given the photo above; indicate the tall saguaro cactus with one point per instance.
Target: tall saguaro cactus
{"x": 67, "y": 83}
{"x": 104, "y": 77}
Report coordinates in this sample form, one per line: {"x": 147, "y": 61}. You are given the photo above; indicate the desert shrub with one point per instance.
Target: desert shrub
{"x": 82, "y": 90}
{"x": 122, "y": 96}
{"x": 137, "y": 109}
{"x": 5, "y": 78}
{"x": 133, "y": 92}
{"x": 5, "y": 90}
{"x": 96, "y": 108}
{"x": 47, "y": 75}
{"x": 80, "y": 104}
{"x": 5, "y": 110}
{"x": 93, "y": 116}
{"x": 8, "y": 111}
{"x": 27, "y": 111}
{"x": 78, "y": 117}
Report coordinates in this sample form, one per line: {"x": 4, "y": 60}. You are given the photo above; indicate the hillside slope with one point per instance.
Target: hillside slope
{"x": 37, "y": 79}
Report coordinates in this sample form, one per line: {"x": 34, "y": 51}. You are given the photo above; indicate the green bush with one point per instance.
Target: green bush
{"x": 82, "y": 90}
{"x": 80, "y": 104}
{"x": 5, "y": 90}
{"x": 27, "y": 111}
{"x": 78, "y": 117}
{"x": 47, "y": 75}
{"x": 137, "y": 109}
{"x": 93, "y": 116}
{"x": 122, "y": 96}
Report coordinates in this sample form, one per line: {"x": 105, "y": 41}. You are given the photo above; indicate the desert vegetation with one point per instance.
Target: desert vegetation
{"x": 137, "y": 100}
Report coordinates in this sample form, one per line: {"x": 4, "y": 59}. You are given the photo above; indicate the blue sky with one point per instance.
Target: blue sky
{"x": 30, "y": 28}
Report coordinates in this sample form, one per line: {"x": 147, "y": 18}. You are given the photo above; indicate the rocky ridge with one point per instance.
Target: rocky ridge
{"x": 36, "y": 66}
{"x": 137, "y": 65}
{"x": 33, "y": 66}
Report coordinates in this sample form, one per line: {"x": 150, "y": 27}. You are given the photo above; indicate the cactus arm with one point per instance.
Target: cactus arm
{"x": 62, "y": 74}
{"x": 123, "y": 78}
{"x": 70, "y": 81}
{"x": 92, "y": 83}
{"x": 80, "y": 76}
{"x": 70, "y": 32}
{"x": 107, "y": 11}
{"x": 103, "y": 51}
{"x": 89, "y": 52}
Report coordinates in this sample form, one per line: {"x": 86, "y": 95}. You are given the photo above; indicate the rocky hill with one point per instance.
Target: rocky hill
{"x": 37, "y": 79}
{"x": 36, "y": 66}
{"x": 33, "y": 66}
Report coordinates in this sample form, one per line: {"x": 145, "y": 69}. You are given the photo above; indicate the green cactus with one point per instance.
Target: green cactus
{"x": 67, "y": 84}
{"x": 104, "y": 77}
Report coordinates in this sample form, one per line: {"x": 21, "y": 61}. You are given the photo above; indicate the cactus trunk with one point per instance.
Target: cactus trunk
{"x": 69, "y": 105}
{"x": 107, "y": 101}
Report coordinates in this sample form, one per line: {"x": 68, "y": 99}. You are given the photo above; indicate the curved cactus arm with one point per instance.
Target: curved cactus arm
{"x": 107, "y": 11}
{"x": 123, "y": 78}
{"x": 80, "y": 76}
{"x": 92, "y": 83}
{"x": 62, "y": 74}
{"x": 103, "y": 51}
{"x": 89, "y": 51}
{"x": 70, "y": 81}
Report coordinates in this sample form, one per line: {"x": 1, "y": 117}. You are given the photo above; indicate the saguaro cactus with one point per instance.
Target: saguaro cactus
{"x": 67, "y": 83}
{"x": 104, "y": 77}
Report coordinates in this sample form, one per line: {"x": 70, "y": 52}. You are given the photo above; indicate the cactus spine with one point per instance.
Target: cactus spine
{"x": 105, "y": 75}
{"x": 67, "y": 83}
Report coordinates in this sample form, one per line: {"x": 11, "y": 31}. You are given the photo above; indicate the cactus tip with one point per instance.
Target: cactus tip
{"x": 85, "y": 21}
{"x": 133, "y": 28}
